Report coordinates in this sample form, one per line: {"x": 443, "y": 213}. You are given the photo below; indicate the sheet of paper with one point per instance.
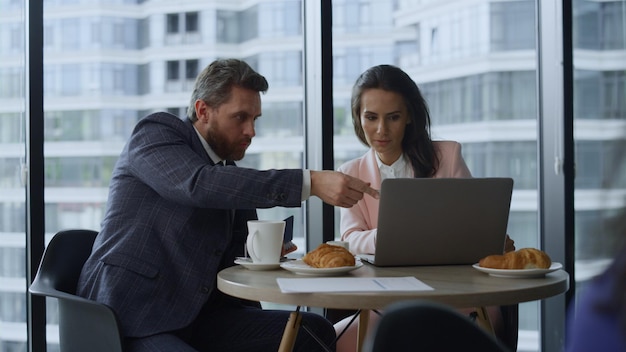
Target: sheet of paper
{"x": 351, "y": 284}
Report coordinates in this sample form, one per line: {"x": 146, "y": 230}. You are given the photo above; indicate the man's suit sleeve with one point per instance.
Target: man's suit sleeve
{"x": 165, "y": 154}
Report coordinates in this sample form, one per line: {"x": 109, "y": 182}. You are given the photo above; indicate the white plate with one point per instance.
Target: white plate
{"x": 248, "y": 264}
{"x": 299, "y": 267}
{"x": 518, "y": 273}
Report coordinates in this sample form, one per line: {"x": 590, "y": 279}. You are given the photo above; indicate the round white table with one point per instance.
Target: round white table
{"x": 459, "y": 286}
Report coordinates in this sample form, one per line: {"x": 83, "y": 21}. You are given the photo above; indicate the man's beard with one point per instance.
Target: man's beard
{"x": 222, "y": 148}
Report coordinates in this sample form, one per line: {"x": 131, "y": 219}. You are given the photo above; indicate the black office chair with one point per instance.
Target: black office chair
{"x": 507, "y": 334}
{"x": 428, "y": 326}
{"x": 84, "y": 325}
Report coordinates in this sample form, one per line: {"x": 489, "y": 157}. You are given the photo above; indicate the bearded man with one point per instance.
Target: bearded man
{"x": 177, "y": 214}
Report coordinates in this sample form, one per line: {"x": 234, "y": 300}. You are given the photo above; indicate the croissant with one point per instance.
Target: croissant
{"x": 524, "y": 258}
{"x": 329, "y": 256}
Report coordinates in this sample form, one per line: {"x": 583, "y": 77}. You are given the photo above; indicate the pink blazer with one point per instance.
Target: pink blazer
{"x": 358, "y": 224}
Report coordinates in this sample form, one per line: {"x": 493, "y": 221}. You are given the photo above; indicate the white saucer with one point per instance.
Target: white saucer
{"x": 248, "y": 264}
{"x": 519, "y": 273}
{"x": 299, "y": 267}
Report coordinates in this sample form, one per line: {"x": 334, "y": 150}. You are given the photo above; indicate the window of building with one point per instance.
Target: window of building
{"x": 191, "y": 69}
{"x": 69, "y": 28}
{"x": 276, "y": 20}
{"x": 17, "y": 39}
{"x": 249, "y": 27}
{"x": 600, "y": 25}
{"x": 191, "y": 22}
{"x": 173, "y": 70}
{"x": 172, "y": 23}
{"x": 512, "y": 25}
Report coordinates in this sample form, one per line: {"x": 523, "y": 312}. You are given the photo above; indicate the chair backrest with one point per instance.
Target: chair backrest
{"x": 428, "y": 326}
{"x": 62, "y": 262}
{"x": 84, "y": 325}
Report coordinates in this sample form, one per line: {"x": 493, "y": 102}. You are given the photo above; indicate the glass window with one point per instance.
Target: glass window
{"x": 191, "y": 22}
{"x": 48, "y": 38}
{"x": 279, "y": 20}
{"x": 13, "y": 318}
{"x": 191, "y": 69}
{"x": 599, "y": 25}
{"x": 248, "y": 20}
{"x": 613, "y": 26}
{"x": 173, "y": 69}
{"x": 92, "y": 107}
{"x": 12, "y": 83}
{"x": 227, "y": 25}
{"x": 447, "y": 48}
{"x": 17, "y": 38}
{"x": 593, "y": 161}
{"x": 489, "y": 96}
{"x": 599, "y": 125}
{"x": 172, "y": 23}
{"x": 474, "y": 60}
{"x": 70, "y": 86}
{"x": 13, "y": 306}
{"x": 69, "y": 28}
{"x": 599, "y": 94}
{"x": 282, "y": 67}
{"x": 512, "y": 25}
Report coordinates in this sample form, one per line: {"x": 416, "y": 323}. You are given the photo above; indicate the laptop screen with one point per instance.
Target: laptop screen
{"x": 438, "y": 221}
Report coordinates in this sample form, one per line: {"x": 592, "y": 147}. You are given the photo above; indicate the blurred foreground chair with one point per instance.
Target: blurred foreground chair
{"x": 428, "y": 326}
{"x": 84, "y": 325}
{"x": 506, "y": 332}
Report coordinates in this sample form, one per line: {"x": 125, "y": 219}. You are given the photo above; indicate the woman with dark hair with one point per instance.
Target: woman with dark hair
{"x": 416, "y": 143}
{"x": 391, "y": 117}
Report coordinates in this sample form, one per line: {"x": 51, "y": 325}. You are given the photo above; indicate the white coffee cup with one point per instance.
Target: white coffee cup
{"x": 344, "y": 244}
{"x": 265, "y": 240}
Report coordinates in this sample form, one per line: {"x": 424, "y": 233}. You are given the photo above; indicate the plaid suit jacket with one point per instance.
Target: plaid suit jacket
{"x": 168, "y": 228}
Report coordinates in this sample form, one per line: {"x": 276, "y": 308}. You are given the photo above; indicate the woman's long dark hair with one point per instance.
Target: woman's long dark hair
{"x": 416, "y": 143}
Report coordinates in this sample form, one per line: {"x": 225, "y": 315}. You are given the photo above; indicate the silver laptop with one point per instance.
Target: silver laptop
{"x": 435, "y": 221}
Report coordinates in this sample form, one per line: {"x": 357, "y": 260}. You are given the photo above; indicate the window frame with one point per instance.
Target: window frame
{"x": 556, "y": 210}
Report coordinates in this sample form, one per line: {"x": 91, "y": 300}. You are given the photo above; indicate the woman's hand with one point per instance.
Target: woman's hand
{"x": 509, "y": 244}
